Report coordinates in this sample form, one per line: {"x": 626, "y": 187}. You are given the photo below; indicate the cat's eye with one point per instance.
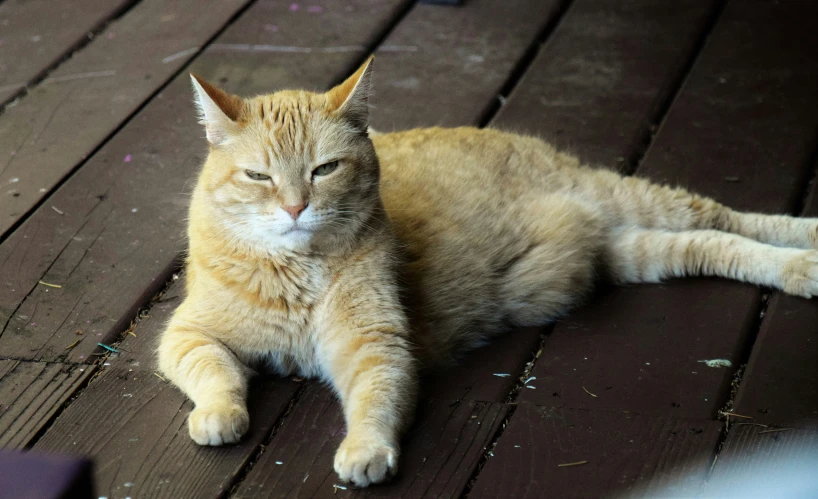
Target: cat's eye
{"x": 325, "y": 169}
{"x": 256, "y": 175}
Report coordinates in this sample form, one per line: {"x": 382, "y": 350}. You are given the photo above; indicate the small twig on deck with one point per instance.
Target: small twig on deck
{"x": 49, "y": 284}
{"x": 734, "y": 415}
{"x": 72, "y": 345}
{"x": 160, "y": 377}
{"x": 132, "y": 333}
{"x": 589, "y": 393}
{"x": 57, "y": 210}
{"x": 752, "y": 424}
{"x": 565, "y": 465}
{"x": 775, "y": 430}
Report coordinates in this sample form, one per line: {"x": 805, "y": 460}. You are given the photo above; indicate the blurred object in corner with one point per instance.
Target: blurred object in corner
{"x": 28, "y": 475}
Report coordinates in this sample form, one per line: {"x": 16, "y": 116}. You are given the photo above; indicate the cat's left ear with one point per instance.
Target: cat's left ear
{"x": 350, "y": 99}
{"x": 218, "y": 110}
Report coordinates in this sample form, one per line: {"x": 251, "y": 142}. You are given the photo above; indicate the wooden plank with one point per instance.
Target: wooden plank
{"x": 753, "y": 463}
{"x": 779, "y": 384}
{"x": 637, "y": 349}
{"x": 437, "y": 459}
{"x": 625, "y": 453}
{"x": 139, "y": 438}
{"x": 601, "y": 79}
{"x": 35, "y": 34}
{"x": 487, "y": 374}
{"x": 446, "y": 65}
{"x": 706, "y": 137}
{"x": 121, "y": 226}
{"x": 31, "y": 394}
{"x": 98, "y": 88}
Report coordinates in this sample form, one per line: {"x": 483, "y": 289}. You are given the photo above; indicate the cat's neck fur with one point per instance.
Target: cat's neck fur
{"x": 263, "y": 275}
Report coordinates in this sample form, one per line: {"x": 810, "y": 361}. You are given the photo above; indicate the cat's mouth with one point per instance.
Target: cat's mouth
{"x": 296, "y": 229}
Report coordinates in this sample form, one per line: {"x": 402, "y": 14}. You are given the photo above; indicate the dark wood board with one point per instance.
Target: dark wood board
{"x": 122, "y": 226}
{"x": 624, "y": 453}
{"x": 638, "y": 349}
{"x": 443, "y": 66}
{"x": 753, "y": 463}
{"x": 135, "y": 427}
{"x": 31, "y": 393}
{"x": 35, "y": 34}
{"x": 675, "y": 324}
{"x": 780, "y": 384}
{"x": 69, "y": 114}
{"x": 487, "y": 374}
{"x": 438, "y": 455}
{"x": 602, "y": 77}
{"x": 747, "y": 111}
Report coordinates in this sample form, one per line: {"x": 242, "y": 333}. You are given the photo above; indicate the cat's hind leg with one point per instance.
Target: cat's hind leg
{"x": 558, "y": 267}
{"x": 649, "y": 255}
{"x": 645, "y": 204}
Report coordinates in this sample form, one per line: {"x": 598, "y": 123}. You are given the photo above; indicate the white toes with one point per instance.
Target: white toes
{"x": 218, "y": 424}
{"x": 365, "y": 461}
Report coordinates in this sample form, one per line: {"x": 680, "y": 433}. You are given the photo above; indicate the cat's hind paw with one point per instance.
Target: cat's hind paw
{"x": 218, "y": 424}
{"x": 365, "y": 461}
{"x": 800, "y": 274}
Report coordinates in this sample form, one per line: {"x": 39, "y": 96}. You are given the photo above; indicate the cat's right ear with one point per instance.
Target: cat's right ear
{"x": 218, "y": 110}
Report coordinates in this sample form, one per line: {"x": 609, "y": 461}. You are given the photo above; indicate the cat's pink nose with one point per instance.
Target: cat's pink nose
{"x": 296, "y": 210}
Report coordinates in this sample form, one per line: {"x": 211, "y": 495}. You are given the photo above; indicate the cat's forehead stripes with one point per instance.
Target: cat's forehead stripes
{"x": 287, "y": 119}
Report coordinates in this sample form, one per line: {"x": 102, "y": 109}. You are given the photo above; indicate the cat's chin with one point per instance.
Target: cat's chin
{"x": 296, "y": 238}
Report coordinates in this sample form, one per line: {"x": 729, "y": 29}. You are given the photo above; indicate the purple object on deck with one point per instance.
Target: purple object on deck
{"x": 27, "y": 475}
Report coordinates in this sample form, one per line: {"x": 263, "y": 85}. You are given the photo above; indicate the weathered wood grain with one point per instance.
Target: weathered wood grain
{"x": 438, "y": 457}
{"x": 134, "y": 425}
{"x": 121, "y": 226}
{"x": 69, "y": 114}
{"x": 443, "y": 66}
{"x": 623, "y": 453}
{"x": 31, "y": 393}
{"x": 35, "y": 34}
{"x": 744, "y": 112}
{"x": 602, "y": 78}
{"x": 755, "y": 462}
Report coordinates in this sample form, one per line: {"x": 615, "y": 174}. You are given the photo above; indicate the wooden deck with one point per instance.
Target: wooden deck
{"x": 99, "y": 142}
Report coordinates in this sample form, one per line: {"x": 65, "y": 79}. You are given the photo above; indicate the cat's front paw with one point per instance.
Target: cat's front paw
{"x": 800, "y": 274}
{"x": 367, "y": 460}
{"x": 218, "y": 424}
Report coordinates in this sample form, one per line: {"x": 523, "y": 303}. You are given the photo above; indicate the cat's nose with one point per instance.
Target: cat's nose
{"x": 295, "y": 210}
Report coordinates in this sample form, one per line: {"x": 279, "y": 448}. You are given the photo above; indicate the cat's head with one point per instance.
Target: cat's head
{"x": 290, "y": 171}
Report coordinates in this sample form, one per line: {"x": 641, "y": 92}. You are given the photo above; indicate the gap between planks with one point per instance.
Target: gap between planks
{"x": 521, "y": 68}
{"x": 745, "y": 358}
{"x": 68, "y": 54}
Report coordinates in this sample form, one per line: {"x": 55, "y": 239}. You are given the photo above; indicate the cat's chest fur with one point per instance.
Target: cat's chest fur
{"x": 274, "y": 304}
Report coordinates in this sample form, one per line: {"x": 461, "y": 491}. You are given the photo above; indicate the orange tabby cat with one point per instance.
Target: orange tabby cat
{"x": 322, "y": 252}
